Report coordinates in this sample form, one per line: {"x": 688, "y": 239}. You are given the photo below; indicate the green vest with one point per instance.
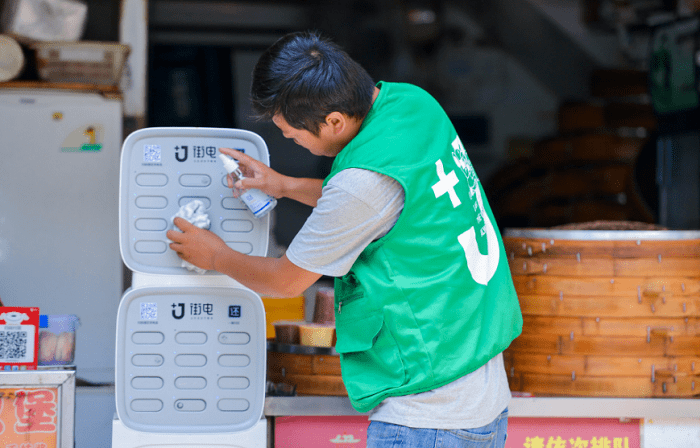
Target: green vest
{"x": 433, "y": 300}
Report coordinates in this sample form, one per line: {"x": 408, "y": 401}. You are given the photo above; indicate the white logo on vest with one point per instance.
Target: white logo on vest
{"x": 482, "y": 267}
{"x": 446, "y": 184}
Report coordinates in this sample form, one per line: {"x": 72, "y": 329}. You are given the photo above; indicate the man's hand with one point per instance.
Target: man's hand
{"x": 258, "y": 175}
{"x": 197, "y": 246}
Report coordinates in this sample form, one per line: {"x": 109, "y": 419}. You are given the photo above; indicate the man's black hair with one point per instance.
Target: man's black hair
{"x": 304, "y": 77}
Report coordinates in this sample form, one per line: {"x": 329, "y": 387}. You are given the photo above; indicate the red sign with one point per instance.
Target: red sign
{"x": 28, "y": 418}
{"x": 350, "y": 432}
{"x": 572, "y": 433}
{"x": 321, "y": 432}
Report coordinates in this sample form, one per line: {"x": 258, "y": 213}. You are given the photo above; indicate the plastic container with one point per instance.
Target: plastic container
{"x": 57, "y": 339}
{"x": 317, "y": 335}
{"x": 324, "y": 311}
{"x": 287, "y": 331}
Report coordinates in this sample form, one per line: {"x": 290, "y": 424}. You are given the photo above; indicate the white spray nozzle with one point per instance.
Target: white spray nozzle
{"x": 230, "y": 165}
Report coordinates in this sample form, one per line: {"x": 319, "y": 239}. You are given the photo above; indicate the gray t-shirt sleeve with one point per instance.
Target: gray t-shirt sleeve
{"x": 356, "y": 207}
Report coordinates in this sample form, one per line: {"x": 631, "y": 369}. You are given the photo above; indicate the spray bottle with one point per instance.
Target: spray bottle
{"x": 257, "y": 202}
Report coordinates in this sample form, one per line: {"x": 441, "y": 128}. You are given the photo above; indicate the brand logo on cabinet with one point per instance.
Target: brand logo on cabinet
{"x": 181, "y": 153}
{"x": 234, "y": 311}
{"x": 198, "y": 311}
{"x": 178, "y": 314}
{"x": 199, "y": 153}
{"x": 345, "y": 438}
{"x": 84, "y": 139}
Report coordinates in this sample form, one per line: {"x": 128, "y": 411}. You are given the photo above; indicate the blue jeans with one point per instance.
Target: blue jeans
{"x": 387, "y": 435}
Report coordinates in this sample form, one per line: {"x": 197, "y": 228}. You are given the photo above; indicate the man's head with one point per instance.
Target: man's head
{"x": 303, "y": 78}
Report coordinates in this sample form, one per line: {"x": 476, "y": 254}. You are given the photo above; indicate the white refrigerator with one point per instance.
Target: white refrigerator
{"x": 59, "y": 230}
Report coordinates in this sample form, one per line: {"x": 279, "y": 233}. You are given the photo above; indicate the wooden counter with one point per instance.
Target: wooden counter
{"x": 573, "y": 407}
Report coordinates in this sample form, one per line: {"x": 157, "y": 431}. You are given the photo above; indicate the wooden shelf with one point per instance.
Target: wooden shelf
{"x": 109, "y": 91}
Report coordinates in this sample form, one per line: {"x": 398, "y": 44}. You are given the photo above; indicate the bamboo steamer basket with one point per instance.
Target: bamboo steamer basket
{"x": 309, "y": 370}
{"x": 607, "y": 313}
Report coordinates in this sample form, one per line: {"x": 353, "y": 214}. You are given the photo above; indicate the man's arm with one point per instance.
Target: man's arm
{"x": 304, "y": 190}
{"x": 276, "y": 277}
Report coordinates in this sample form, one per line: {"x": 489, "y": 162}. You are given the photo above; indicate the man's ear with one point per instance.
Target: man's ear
{"x": 336, "y": 121}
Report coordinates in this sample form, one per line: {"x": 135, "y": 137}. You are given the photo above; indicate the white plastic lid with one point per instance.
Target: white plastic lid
{"x": 230, "y": 164}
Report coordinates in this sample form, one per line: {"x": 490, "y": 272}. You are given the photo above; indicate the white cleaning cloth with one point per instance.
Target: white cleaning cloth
{"x": 194, "y": 213}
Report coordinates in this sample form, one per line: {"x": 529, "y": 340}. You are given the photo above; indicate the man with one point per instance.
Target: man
{"x": 425, "y": 303}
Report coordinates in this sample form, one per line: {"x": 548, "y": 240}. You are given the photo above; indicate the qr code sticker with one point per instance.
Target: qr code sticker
{"x": 149, "y": 311}
{"x": 13, "y": 345}
{"x": 151, "y": 153}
